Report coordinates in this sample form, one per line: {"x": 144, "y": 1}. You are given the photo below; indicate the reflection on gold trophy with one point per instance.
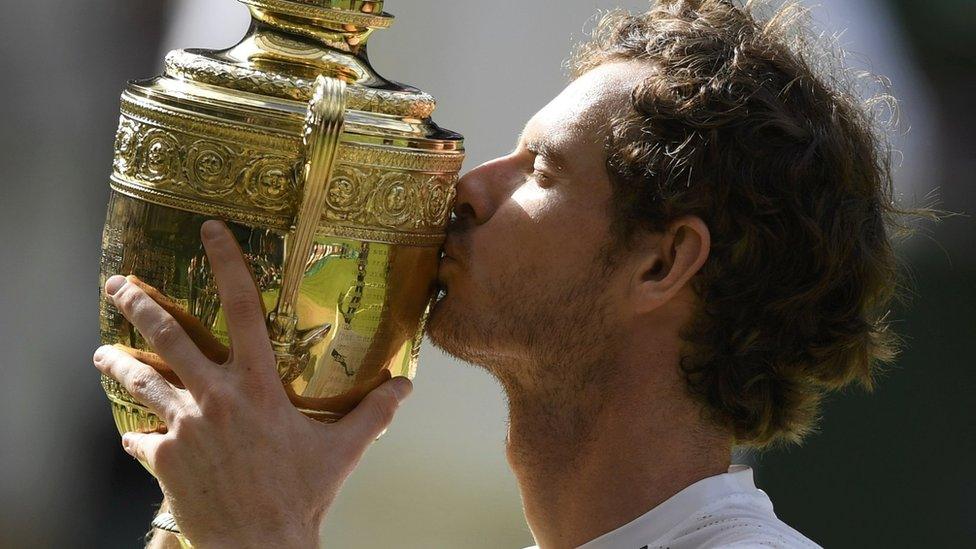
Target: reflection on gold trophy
{"x": 335, "y": 181}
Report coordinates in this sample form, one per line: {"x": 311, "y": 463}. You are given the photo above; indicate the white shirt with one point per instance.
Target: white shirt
{"x": 725, "y": 510}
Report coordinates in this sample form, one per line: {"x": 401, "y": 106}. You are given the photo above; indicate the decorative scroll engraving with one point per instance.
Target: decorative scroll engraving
{"x": 191, "y": 66}
{"x": 210, "y": 167}
{"x": 158, "y": 156}
{"x": 173, "y": 161}
{"x": 344, "y": 193}
{"x": 392, "y": 200}
{"x": 269, "y": 182}
{"x": 374, "y": 192}
{"x": 125, "y": 145}
{"x": 440, "y": 191}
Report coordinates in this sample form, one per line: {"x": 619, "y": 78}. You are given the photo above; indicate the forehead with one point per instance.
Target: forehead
{"x": 581, "y": 111}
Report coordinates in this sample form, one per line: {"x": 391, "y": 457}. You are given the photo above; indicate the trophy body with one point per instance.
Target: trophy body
{"x": 334, "y": 180}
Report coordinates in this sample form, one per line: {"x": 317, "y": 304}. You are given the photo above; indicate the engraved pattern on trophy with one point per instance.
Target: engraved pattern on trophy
{"x": 174, "y": 168}
{"x": 209, "y": 168}
{"x": 125, "y": 145}
{"x": 158, "y": 157}
{"x": 269, "y": 182}
{"x": 393, "y": 200}
{"x": 174, "y": 161}
{"x": 366, "y": 195}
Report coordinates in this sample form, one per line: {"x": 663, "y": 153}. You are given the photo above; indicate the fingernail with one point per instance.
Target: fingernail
{"x": 402, "y": 387}
{"x": 212, "y": 229}
{"x": 114, "y": 284}
{"x": 100, "y": 353}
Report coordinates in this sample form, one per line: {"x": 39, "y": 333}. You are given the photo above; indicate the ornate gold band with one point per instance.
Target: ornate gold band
{"x": 250, "y": 175}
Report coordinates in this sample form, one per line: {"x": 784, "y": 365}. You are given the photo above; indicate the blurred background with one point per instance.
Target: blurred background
{"x": 892, "y": 469}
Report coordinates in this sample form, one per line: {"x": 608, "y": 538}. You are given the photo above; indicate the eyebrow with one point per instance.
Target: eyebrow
{"x": 544, "y": 147}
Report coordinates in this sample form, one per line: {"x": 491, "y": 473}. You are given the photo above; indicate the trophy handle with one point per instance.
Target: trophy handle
{"x": 323, "y": 127}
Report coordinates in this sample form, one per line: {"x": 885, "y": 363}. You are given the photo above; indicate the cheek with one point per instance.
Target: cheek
{"x": 537, "y": 235}
{"x": 534, "y": 203}
{"x": 532, "y": 253}
{"x": 521, "y": 233}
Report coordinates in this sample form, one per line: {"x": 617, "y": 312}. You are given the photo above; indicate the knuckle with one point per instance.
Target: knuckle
{"x": 184, "y": 419}
{"x": 139, "y": 383}
{"x": 128, "y": 298}
{"x": 384, "y": 407}
{"x": 165, "y": 333}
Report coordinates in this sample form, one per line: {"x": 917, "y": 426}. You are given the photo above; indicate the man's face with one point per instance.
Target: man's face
{"x": 526, "y": 281}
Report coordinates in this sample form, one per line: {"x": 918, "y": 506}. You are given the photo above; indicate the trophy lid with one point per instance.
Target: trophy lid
{"x": 271, "y": 72}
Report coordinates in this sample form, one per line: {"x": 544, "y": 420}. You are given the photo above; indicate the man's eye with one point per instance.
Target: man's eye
{"x": 540, "y": 177}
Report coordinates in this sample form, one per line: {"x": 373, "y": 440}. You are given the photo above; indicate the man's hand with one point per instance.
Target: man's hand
{"x": 240, "y": 466}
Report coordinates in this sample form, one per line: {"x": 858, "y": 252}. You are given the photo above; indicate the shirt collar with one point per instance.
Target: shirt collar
{"x": 660, "y": 520}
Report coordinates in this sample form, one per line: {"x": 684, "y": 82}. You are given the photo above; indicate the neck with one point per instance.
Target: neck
{"x": 593, "y": 458}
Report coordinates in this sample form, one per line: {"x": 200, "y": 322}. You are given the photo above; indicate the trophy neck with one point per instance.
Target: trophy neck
{"x": 291, "y": 42}
{"x": 341, "y": 24}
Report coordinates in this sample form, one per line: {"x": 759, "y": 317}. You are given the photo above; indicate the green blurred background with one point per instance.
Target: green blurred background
{"x": 890, "y": 469}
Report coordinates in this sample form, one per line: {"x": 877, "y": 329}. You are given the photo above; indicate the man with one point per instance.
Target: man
{"x": 687, "y": 248}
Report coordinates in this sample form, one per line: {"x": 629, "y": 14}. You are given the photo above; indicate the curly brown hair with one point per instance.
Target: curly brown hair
{"x": 741, "y": 126}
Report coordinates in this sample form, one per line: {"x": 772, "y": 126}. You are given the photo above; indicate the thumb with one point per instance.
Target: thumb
{"x": 142, "y": 446}
{"x": 373, "y": 415}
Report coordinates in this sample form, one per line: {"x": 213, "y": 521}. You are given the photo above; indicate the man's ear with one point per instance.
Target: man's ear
{"x": 670, "y": 259}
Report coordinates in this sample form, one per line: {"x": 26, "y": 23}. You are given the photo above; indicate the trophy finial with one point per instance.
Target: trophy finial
{"x": 349, "y": 22}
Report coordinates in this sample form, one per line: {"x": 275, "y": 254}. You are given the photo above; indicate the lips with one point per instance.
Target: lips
{"x": 451, "y": 251}
{"x": 447, "y": 255}
{"x": 445, "y": 267}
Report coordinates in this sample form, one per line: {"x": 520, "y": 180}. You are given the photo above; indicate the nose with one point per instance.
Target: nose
{"x": 482, "y": 190}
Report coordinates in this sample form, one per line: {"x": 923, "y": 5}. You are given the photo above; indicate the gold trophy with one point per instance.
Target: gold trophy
{"x": 335, "y": 181}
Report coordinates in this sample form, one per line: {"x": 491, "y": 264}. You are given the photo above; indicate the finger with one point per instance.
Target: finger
{"x": 153, "y": 360}
{"x": 239, "y": 298}
{"x": 141, "y": 380}
{"x": 209, "y": 345}
{"x": 373, "y": 415}
{"x": 143, "y": 446}
{"x": 159, "y": 328}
